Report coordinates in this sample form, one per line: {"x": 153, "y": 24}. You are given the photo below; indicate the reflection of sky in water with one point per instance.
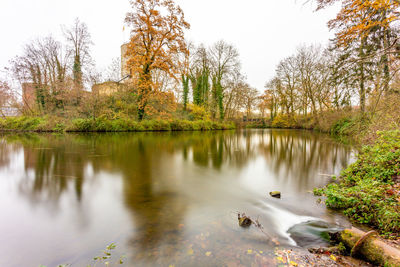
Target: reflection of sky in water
{"x": 64, "y": 198}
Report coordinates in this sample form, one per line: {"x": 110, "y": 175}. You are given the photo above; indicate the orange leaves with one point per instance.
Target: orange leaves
{"x": 157, "y": 41}
{"x": 357, "y": 18}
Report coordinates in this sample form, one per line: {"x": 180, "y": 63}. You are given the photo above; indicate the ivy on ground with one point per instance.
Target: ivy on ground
{"x": 368, "y": 191}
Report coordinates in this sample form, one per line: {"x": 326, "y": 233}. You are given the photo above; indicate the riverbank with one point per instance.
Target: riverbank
{"x": 338, "y": 123}
{"x": 55, "y": 124}
{"x": 368, "y": 191}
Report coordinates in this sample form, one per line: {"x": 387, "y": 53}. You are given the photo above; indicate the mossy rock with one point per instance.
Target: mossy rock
{"x": 275, "y": 194}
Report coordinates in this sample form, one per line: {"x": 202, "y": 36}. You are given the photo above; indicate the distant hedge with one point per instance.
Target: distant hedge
{"x": 46, "y": 124}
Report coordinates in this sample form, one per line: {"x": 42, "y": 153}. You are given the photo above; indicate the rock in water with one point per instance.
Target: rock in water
{"x": 275, "y": 194}
{"x": 244, "y": 221}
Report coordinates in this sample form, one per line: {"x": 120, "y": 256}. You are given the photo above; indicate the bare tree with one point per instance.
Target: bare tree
{"x": 113, "y": 71}
{"x": 44, "y": 66}
{"x": 225, "y": 63}
{"x": 79, "y": 41}
{"x": 251, "y": 100}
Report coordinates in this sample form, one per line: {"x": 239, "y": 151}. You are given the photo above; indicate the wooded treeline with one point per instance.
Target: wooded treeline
{"x": 358, "y": 70}
{"x": 173, "y": 78}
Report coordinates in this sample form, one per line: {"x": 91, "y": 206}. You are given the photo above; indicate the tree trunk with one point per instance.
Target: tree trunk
{"x": 371, "y": 248}
{"x": 385, "y": 60}
{"x": 362, "y": 77}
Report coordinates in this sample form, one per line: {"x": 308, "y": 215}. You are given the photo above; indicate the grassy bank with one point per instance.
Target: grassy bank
{"x": 368, "y": 191}
{"x": 54, "y": 124}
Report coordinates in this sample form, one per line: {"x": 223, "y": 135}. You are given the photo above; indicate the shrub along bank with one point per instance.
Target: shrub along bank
{"x": 50, "y": 124}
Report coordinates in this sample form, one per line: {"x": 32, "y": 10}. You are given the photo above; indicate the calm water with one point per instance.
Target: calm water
{"x": 163, "y": 198}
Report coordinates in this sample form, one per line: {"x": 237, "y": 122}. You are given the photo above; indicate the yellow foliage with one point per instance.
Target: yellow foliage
{"x": 198, "y": 112}
{"x": 283, "y": 121}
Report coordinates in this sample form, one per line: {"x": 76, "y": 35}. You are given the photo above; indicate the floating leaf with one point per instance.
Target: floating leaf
{"x": 249, "y": 251}
{"x": 208, "y": 253}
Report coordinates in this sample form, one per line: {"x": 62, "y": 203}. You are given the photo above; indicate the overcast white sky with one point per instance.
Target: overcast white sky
{"x": 264, "y": 31}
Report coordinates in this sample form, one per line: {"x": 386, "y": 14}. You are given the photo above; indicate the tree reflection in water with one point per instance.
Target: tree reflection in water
{"x": 165, "y": 176}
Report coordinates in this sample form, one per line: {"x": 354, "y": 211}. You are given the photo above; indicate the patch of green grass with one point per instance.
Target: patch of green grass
{"x": 21, "y": 123}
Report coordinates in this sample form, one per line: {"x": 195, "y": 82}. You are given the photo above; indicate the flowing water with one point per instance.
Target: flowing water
{"x": 163, "y": 198}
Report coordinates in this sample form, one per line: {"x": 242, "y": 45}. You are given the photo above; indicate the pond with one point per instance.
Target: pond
{"x": 163, "y": 198}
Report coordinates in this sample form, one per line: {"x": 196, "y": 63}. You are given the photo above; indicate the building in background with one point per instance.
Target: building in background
{"x": 124, "y": 61}
{"x": 108, "y": 88}
{"x": 28, "y": 96}
{"x": 111, "y": 87}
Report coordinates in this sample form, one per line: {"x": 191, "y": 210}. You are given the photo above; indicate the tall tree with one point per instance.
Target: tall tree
{"x": 157, "y": 38}
{"x": 225, "y": 63}
{"x": 185, "y": 84}
{"x": 356, "y": 23}
{"x": 200, "y": 75}
{"x": 79, "y": 42}
{"x": 44, "y": 64}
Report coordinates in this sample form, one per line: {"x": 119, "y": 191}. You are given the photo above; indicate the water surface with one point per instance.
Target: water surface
{"x": 162, "y": 198}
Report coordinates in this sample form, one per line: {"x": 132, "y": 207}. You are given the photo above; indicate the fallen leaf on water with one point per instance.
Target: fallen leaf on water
{"x": 249, "y": 251}
{"x": 208, "y": 253}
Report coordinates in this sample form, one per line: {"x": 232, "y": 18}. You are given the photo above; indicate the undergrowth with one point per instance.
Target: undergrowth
{"x": 101, "y": 124}
{"x": 368, "y": 191}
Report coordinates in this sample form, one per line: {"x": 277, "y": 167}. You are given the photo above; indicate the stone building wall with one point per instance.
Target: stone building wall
{"x": 124, "y": 61}
{"x": 108, "y": 88}
{"x": 105, "y": 89}
{"x": 29, "y": 96}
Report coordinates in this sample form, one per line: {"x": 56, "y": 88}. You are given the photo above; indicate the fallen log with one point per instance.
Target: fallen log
{"x": 369, "y": 247}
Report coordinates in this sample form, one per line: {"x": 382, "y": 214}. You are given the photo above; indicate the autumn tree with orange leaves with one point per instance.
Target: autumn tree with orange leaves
{"x": 362, "y": 24}
{"x": 157, "y": 40}
{"x": 358, "y": 18}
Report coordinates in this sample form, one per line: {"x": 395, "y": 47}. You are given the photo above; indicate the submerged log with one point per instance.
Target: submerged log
{"x": 370, "y": 247}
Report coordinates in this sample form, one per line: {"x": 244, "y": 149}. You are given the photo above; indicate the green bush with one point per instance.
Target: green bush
{"x": 181, "y": 125}
{"x": 81, "y": 125}
{"x": 342, "y": 126}
{"x": 21, "y": 123}
{"x": 197, "y": 113}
